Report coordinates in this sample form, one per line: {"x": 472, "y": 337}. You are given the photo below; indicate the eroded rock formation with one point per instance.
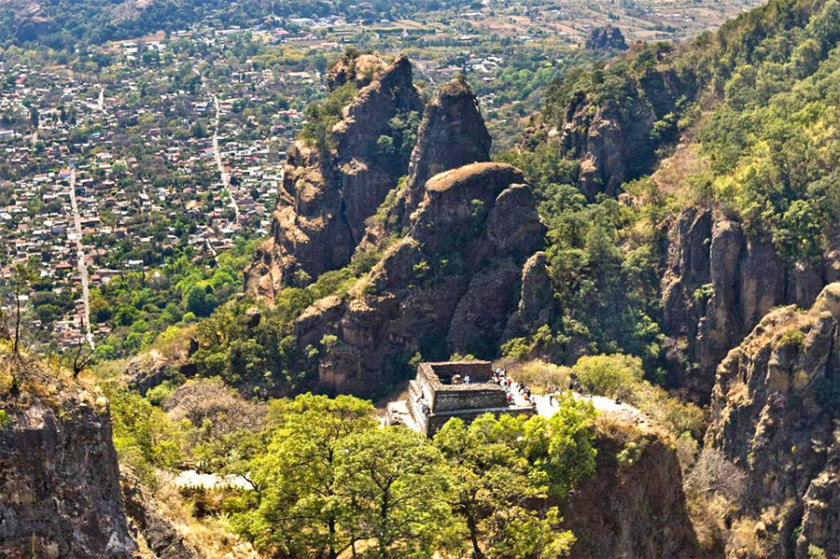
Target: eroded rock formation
{"x": 59, "y": 483}
{"x": 717, "y": 284}
{"x": 450, "y": 285}
{"x": 329, "y": 191}
{"x": 144, "y": 512}
{"x": 326, "y": 206}
{"x": 606, "y": 38}
{"x": 613, "y": 140}
{"x": 775, "y": 411}
{"x": 633, "y": 506}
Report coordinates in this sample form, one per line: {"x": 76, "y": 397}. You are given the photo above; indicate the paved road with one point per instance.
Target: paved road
{"x": 218, "y": 157}
{"x": 80, "y": 253}
{"x": 601, "y": 403}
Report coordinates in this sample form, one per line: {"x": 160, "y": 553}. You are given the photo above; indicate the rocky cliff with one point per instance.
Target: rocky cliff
{"x": 451, "y": 134}
{"x": 633, "y": 506}
{"x": 775, "y": 411}
{"x": 450, "y": 285}
{"x": 59, "y": 483}
{"x": 330, "y": 189}
{"x": 613, "y": 137}
{"x": 326, "y": 206}
{"x": 717, "y": 283}
{"x": 606, "y": 38}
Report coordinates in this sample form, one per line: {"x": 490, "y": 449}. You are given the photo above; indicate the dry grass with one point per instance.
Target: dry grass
{"x": 25, "y": 379}
{"x": 211, "y": 536}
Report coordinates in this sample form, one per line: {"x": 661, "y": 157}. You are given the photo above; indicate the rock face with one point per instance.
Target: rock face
{"x": 537, "y": 306}
{"x": 452, "y": 134}
{"x": 449, "y": 286}
{"x": 59, "y": 483}
{"x": 325, "y": 207}
{"x": 159, "y": 534}
{"x": 613, "y": 141}
{"x": 606, "y": 38}
{"x": 616, "y": 138}
{"x": 775, "y": 409}
{"x": 633, "y": 509}
{"x": 359, "y": 70}
{"x": 328, "y": 193}
{"x": 717, "y": 283}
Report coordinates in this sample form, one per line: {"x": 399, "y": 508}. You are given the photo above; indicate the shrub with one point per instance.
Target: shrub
{"x": 516, "y": 348}
{"x": 610, "y": 375}
{"x": 791, "y": 338}
{"x": 537, "y": 374}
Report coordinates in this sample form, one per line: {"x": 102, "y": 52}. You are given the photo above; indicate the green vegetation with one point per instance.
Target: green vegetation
{"x": 321, "y": 116}
{"x": 252, "y": 346}
{"x": 496, "y": 493}
{"x": 621, "y": 376}
{"x": 325, "y": 478}
{"x": 144, "y": 436}
{"x": 139, "y": 306}
{"x": 603, "y": 262}
{"x": 610, "y": 375}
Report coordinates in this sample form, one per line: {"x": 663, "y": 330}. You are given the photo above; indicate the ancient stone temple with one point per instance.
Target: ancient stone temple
{"x": 441, "y": 391}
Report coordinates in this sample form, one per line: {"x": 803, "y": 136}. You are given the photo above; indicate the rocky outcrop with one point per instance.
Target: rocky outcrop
{"x": 359, "y": 70}
{"x": 606, "y": 38}
{"x": 537, "y": 306}
{"x": 150, "y": 368}
{"x": 452, "y": 134}
{"x": 717, "y": 283}
{"x": 633, "y": 506}
{"x": 159, "y": 535}
{"x": 325, "y": 207}
{"x": 775, "y": 410}
{"x": 329, "y": 190}
{"x": 614, "y": 140}
{"x": 59, "y": 483}
{"x": 450, "y": 285}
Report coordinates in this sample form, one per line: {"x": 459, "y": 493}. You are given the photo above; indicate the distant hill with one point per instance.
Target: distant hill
{"x": 62, "y": 23}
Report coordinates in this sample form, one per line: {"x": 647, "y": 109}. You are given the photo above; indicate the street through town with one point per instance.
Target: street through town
{"x": 218, "y": 156}
{"x": 80, "y": 252}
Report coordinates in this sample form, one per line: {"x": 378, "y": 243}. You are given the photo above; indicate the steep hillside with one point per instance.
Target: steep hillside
{"x": 59, "y": 482}
{"x": 633, "y": 506}
{"x": 430, "y": 264}
{"x": 449, "y": 286}
{"x": 337, "y": 179}
{"x": 774, "y": 415}
{"x": 739, "y": 214}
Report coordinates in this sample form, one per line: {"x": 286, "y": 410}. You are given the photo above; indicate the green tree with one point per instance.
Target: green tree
{"x": 501, "y": 499}
{"x": 609, "y": 375}
{"x": 301, "y": 508}
{"x": 563, "y": 446}
{"x": 396, "y": 482}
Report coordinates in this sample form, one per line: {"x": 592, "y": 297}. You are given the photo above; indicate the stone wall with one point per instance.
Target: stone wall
{"x": 478, "y": 371}
{"x": 435, "y": 422}
{"x": 468, "y": 397}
